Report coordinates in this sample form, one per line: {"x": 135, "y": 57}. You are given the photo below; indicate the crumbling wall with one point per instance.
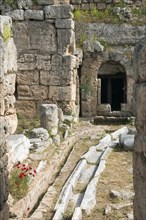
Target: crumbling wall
{"x": 8, "y": 118}
{"x": 139, "y": 159}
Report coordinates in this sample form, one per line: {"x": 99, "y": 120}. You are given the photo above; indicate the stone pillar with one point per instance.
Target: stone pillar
{"x": 8, "y": 118}
{"x": 139, "y": 159}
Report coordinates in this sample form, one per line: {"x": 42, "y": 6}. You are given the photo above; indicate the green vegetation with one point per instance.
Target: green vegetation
{"x": 7, "y": 32}
{"x": 9, "y": 2}
{"x": 95, "y": 15}
{"x": 26, "y": 124}
{"x": 18, "y": 187}
{"x": 139, "y": 12}
{"x": 87, "y": 86}
{"x": 107, "y": 16}
{"x": 81, "y": 40}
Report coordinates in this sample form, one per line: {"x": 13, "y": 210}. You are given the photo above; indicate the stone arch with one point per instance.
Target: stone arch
{"x": 114, "y": 64}
{"x": 112, "y": 86}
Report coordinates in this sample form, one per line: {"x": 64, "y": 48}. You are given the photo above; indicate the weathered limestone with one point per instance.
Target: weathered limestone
{"x": 8, "y": 119}
{"x": 87, "y": 171}
{"x": 105, "y": 56}
{"x": 39, "y": 133}
{"x": 127, "y": 141}
{"x": 77, "y": 214}
{"x": 58, "y": 11}
{"x": 18, "y": 149}
{"x": 140, "y": 142}
{"x": 45, "y": 41}
{"x": 49, "y": 118}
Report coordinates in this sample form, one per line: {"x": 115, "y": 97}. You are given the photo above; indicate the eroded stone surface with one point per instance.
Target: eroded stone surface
{"x": 8, "y": 118}
{"x": 140, "y": 143}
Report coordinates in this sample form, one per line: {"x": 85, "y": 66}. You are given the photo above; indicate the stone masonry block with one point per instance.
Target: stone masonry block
{"x": 9, "y": 84}
{"x": 23, "y": 76}
{"x": 43, "y": 36}
{"x": 48, "y": 78}
{"x": 22, "y": 110}
{"x": 43, "y": 64}
{"x": 66, "y": 41}
{"x": 62, "y": 11}
{"x": 101, "y": 6}
{"x": 46, "y": 2}
{"x": 16, "y": 15}
{"x": 26, "y": 66}
{"x": 34, "y": 15}
{"x": 67, "y": 93}
{"x": 49, "y": 117}
{"x": 69, "y": 62}
{"x": 24, "y": 91}
{"x": 33, "y": 92}
{"x": 21, "y": 35}
{"x": 64, "y": 23}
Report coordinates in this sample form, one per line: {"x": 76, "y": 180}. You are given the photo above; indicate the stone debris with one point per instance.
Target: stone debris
{"x": 49, "y": 118}
{"x": 39, "y": 133}
{"x": 110, "y": 207}
{"x": 41, "y": 166}
{"x": 18, "y": 146}
{"x": 122, "y": 131}
{"x": 107, "y": 210}
{"x": 121, "y": 206}
{"x": 122, "y": 194}
{"x": 127, "y": 141}
{"x": 92, "y": 156}
{"x": 88, "y": 200}
{"x": 130, "y": 216}
{"x": 77, "y": 214}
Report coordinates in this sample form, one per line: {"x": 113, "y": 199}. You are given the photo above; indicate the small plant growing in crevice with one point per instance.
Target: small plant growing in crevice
{"x": 81, "y": 40}
{"x": 87, "y": 87}
{"x": 10, "y": 2}
{"x": 7, "y": 32}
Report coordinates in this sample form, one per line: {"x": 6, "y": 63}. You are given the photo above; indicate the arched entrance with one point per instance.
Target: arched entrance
{"x": 113, "y": 85}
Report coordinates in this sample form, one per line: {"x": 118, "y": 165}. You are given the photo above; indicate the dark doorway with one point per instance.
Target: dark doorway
{"x": 117, "y": 95}
{"x": 113, "y": 90}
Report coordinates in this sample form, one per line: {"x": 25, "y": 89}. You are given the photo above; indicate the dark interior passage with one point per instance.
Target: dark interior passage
{"x": 113, "y": 90}
{"x": 117, "y": 95}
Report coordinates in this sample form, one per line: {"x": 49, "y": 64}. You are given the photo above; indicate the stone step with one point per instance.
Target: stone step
{"x": 101, "y": 120}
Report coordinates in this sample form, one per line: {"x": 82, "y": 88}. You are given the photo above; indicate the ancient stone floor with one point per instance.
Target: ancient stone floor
{"x": 117, "y": 177}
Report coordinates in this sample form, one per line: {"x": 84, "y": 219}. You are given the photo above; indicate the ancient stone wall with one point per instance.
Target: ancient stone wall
{"x": 100, "y": 4}
{"x": 45, "y": 40}
{"x": 107, "y": 44}
{"x": 8, "y": 118}
{"x": 139, "y": 159}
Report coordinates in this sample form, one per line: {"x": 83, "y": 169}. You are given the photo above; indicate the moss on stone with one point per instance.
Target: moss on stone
{"x": 7, "y": 32}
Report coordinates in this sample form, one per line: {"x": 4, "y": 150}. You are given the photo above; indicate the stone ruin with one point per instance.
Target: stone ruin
{"x": 139, "y": 159}
{"x": 52, "y": 70}
{"x": 8, "y": 118}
